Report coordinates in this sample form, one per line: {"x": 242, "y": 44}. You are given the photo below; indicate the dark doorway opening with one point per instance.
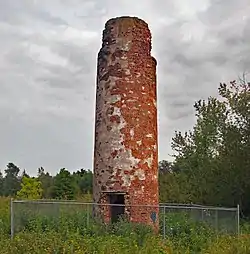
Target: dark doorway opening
{"x": 117, "y": 208}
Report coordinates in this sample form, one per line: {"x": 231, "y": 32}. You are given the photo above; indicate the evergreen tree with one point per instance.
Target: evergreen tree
{"x": 64, "y": 185}
{"x": 46, "y": 182}
{"x": 84, "y": 181}
{"x": 11, "y": 182}
{"x": 1, "y": 183}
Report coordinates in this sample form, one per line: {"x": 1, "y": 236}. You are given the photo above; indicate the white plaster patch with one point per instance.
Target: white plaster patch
{"x": 132, "y": 133}
{"x": 149, "y": 161}
{"x": 127, "y": 179}
{"x": 117, "y": 111}
{"x": 134, "y": 160}
{"x": 139, "y": 142}
{"x": 126, "y": 46}
{"x": 127, "y": 71}
{"x": 149, "y": 135}
{"x": 140, "y": 174}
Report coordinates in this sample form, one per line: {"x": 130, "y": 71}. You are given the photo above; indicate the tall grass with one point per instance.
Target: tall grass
{"x": 4, "y": 216}
{"x": 74, "y": 232}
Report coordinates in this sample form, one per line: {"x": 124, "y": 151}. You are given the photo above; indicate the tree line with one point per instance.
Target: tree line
{"x": 211, "y": 163}
{"x": 64, "y": 185}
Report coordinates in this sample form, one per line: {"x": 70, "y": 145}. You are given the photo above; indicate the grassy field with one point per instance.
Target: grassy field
{"x": 74, "y": 233}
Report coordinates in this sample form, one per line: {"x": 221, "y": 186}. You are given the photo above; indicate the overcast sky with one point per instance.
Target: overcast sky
{"x": 48, "y": 51}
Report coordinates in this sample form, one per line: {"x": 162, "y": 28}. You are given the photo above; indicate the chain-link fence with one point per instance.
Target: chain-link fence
{"x": 170, "y": 219}
{"x": 221, "y": 220}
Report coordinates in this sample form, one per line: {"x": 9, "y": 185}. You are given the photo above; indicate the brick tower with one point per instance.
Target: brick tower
{"x": 126, "y": 146}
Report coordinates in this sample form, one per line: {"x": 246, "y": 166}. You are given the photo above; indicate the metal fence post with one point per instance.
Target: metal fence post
{"x": 164, "y": 223}
{"x": 11, "y": 219}
{"x": 88, "y": 215}
{"x": 238, "y": 219}
{"x": 216, "y": 220}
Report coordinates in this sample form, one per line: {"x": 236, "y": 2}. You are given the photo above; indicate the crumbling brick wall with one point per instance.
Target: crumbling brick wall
{"x": 126, "y": 149}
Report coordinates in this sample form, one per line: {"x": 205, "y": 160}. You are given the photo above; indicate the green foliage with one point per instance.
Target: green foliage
{"x": 187, "y": 233}
{"x": 230, "y": 245}
{"x": 4, "y": 216}
{"x": 24, "y": 174}
{"x": 46, "y": 182}
{"x": 213, "y": 159}
{"x": 165, "y": 167}
{"x": 51, "y": 242}
{"x": 175, "y": 188}
{"x": 11, "y": 183}
{"x": 64, "y": 185}
{"x": 83, "y": 179}
{"x": 1, "y": 184}
{"x": 30, "y": 189}
{"x": 73, "y": 232}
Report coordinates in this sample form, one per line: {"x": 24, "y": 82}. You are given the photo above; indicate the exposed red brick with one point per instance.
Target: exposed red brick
{"x": 126, "y": 149}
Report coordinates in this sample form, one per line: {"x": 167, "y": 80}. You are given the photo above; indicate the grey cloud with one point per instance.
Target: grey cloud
{"x": 20, "y": 12}
{"x": 178, "y": 103}
{"x": 176, "y": 115}
{"x": 219, "y": 12}
{"x": 78, "y": 56}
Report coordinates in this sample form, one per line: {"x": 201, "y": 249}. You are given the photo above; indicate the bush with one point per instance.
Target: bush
{"x": 4, "y": 216}
{"x": 184, "y": 233}
{"x": 74, "y": 243}
{"x": 230, "y": 245}
{"x": 73, "y": 231}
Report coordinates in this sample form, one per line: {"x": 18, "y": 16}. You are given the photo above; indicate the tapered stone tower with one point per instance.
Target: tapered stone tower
{"x": 126, "y": 149}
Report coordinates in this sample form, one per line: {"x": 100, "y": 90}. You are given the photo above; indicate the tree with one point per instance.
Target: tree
{"x": 47, "y": 183}
{"x": 84, "y": 181}
{"x": 30, "y": 188}
{"x": 1, "y": 183}
{"x": 11, "y": 183}
{"x": 64, "y": 185}
{"x": 165, "y": 167}
{"x": 215, "y": 156}
{"x": 174, "y": 188}
{"x": 24, "y": 174}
